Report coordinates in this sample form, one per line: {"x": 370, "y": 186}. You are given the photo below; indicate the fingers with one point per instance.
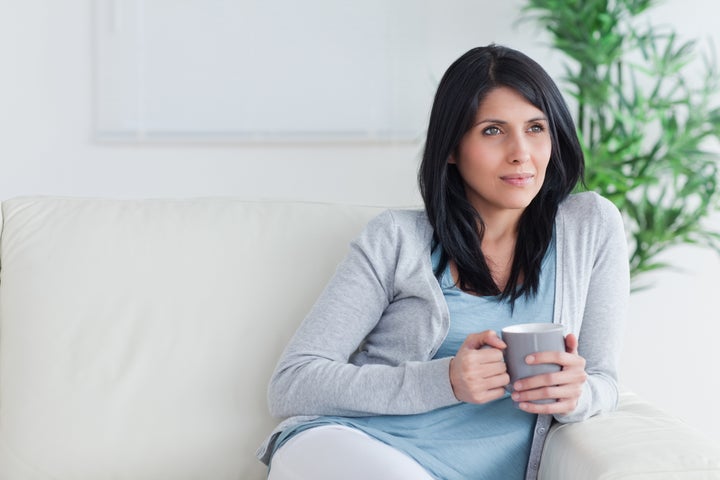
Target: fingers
{"x": 543, "y": 386}
{"x": 565, "y": 386}
{"x": 474, "y": 382}
{"x": 478, "y": 373}
{"x": 562, "y": 406}
{"x": 564, "y": 359}
{"x": 562, "y": 399}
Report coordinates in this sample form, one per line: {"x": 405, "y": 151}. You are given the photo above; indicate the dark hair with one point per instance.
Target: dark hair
{"x": 458, "y": 228}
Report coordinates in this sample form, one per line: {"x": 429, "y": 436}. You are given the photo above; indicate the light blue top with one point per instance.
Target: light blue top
{"x": 462, "y": 441}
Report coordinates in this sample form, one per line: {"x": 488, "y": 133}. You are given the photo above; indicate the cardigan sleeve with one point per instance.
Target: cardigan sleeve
{"x": 316, "y": 374}
{"x": 605, "y": 281}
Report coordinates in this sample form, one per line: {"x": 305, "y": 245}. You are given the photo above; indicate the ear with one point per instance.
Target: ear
{"x": 451, "y": 159}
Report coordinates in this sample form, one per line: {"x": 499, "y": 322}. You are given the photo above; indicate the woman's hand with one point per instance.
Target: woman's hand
{"x": 477, "y": 372}
{"x": 565, "y": 385}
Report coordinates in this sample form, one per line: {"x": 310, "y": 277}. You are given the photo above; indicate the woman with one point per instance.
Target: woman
{"x": 397, "y": 371}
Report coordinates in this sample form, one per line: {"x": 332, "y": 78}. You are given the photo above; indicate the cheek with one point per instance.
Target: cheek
{"x": 472, "y": 151}
{"x": 544, "y": 157}
{"x": 541, "y": 163}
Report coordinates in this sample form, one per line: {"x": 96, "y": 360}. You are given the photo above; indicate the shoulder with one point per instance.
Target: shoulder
{"x": 590, "y": 221}
{"x": 406, "y": 224}
{"x": 392, "y": 243}
{"x": 589, "y": 208}
{"x": 394, "y": 237}
{"x": 587, "y": 203}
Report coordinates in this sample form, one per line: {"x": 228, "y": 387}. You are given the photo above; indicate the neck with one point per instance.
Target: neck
{"x": 501, "y": 227}
{"x": 498, "y": 244}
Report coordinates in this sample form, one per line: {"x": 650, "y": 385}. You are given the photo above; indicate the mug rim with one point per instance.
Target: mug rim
{"x": 532, "y": 328}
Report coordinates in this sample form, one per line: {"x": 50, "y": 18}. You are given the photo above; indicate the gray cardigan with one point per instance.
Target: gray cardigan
{"x": 367, "y": 345}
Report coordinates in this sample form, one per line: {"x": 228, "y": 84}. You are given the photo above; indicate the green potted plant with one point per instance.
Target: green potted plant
{"x": 646, "y": 123}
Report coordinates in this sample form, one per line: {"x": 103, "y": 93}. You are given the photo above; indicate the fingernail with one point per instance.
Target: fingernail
{"x": 517, "y": 386}
{"x": 515, "y": 396}
{"x": 530, "y": 359}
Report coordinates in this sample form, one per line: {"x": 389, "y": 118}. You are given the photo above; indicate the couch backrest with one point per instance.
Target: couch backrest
{"x": 137, "y": 336}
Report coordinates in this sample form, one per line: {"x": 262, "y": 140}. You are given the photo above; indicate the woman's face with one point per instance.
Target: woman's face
{"x": 503, "y": 158}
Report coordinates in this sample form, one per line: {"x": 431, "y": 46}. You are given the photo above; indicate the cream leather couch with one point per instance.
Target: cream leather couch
{"x": 137, "y": 338}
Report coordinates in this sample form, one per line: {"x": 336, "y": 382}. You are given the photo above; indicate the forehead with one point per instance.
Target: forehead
{"x": 504, "y": 102}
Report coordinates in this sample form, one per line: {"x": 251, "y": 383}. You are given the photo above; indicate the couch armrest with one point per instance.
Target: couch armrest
{"x": 636, "y": 442}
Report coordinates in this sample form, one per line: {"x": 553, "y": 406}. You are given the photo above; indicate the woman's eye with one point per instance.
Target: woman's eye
{"x": 537, "y": 128}
{"x": 491, "y": 131}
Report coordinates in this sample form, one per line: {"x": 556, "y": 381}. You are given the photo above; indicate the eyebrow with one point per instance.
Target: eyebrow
{"x": 504, "y": 122}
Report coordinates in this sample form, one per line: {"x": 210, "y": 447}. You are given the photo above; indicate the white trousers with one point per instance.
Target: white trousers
{"x": 336, "y": 452}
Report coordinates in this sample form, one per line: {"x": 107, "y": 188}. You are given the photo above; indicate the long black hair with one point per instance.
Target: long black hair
{"x": 458, "y": 227}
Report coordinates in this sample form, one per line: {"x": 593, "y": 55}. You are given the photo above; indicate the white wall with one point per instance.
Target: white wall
{"x": 46, "y": 147}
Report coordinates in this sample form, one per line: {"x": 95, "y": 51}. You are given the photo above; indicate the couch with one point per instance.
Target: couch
{"x": 137, "y": 338}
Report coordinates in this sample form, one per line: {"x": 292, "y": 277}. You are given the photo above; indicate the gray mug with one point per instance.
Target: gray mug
{"x": 525, "y": 339}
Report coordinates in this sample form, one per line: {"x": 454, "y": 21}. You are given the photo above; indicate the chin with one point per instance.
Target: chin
{"x": 519, "y": 203}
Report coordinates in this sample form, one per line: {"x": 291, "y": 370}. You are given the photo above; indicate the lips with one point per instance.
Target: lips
{"x": 518, "y": 179}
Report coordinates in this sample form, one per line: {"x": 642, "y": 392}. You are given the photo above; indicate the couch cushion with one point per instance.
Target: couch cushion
{"x": 138, "y": 336}
{"x": 638, "y": 441}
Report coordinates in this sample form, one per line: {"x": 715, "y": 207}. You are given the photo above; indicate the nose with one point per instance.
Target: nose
{"x": 519, "y": 150}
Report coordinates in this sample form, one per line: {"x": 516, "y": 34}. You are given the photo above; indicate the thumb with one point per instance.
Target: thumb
{"x": 475, "y": 341}
{"x": 571, "y": 343}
